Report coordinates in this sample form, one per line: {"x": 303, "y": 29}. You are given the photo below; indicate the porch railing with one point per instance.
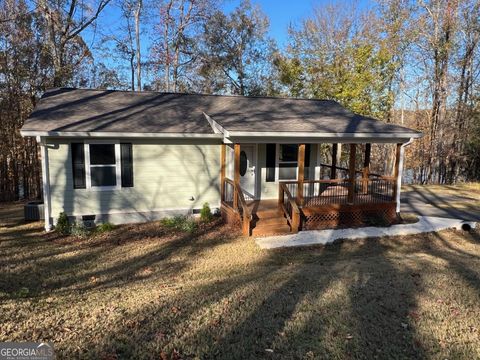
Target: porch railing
{"x": 375, "y": 189}
{"x": 289, "y": 206}
{"x": 234, "y": 204}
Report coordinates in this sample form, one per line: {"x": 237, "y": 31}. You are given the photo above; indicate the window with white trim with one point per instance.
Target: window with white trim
{"x": 102, "y": 162}
{"x": 287, "y": 161}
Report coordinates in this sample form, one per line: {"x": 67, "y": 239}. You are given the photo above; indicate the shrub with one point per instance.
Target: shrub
{"x": 63, "y": 226}
{"x": 206, "y": 214}
{"x": 182, "y": 223}
{"x": 189, "y": 225}
{"x": 104, "y": 227}
{"x": 22, "y": 292}
{"x": 79, "y": 230}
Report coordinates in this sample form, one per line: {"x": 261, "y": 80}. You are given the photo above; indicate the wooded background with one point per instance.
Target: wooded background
{"x": 415, "y": 63}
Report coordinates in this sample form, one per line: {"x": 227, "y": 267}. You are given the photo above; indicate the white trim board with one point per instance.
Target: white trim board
{"x": 315, "y": 140}
{"x": 312, "y": 134}
{"x": 239, "y": 137}
{"x": 112, "y": 134}
{"x": 155, "y": 210}
{"x": 46, "y": 184}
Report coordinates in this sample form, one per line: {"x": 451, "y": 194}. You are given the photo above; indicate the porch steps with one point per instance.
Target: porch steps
{"x": 269, "y": 220}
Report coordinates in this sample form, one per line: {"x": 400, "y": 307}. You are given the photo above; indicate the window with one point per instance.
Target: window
{"x": 287, "y": 161}
{"x": 103, "y": 165}
{"x": 243, "y": 163}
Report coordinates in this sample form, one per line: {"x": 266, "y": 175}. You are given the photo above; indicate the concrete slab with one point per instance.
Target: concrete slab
{"x": 322, "y": 237}
{"x": 425, "y": 203}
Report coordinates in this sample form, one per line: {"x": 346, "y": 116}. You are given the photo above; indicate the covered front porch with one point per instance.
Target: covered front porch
{"x": 271, "y": 188}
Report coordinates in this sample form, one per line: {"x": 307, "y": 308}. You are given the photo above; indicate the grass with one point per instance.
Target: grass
{"x": 152, "y": 292}
{"x": 467, "y": 190}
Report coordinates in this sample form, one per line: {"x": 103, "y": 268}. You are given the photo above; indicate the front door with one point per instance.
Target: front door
{"x": 248, "y": 159}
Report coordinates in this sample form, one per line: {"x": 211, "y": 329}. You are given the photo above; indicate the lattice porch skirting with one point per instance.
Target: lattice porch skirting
{"x": 341, "y": 216}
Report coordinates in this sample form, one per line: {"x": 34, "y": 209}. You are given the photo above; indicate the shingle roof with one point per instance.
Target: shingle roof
{"x": 76, "y": 110}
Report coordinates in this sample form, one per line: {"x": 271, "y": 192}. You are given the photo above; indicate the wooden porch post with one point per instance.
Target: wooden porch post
{"x": 223, "y": 157}
{"x": 236, "y": 174}
{"x": 366, "y": 168}
{"x": 333, "y": 170}
{"x": 301, "y": 172}
{"x": 396, "y": 169}
{"x": 351, "y": 173}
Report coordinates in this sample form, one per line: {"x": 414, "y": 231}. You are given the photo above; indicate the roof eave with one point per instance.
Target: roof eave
{"x": 111, "y": 134}
{"x": 237, "y": 136}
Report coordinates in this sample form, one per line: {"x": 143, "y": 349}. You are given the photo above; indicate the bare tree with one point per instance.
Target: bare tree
{"x": 175, "y": 46}
{"x": 138, "y": 9}
{"x": 64, "y": 22}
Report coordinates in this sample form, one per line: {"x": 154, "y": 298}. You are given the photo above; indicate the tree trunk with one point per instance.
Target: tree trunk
{"x": 137, "y": 44}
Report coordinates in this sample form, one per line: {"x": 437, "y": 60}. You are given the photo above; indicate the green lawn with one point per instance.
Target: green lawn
{"x": 143, "y": 291}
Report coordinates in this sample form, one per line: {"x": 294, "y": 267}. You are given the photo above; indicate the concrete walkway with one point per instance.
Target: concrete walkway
{"x": 427, "y": 203}
{"x": 322, "y": 237}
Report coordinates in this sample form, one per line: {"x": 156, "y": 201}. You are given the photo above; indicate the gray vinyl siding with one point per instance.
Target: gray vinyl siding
{"x": 167, "y": 176}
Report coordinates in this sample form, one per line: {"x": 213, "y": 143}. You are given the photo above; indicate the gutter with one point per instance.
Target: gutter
{"x": 104, "y": 134}
{"x": 290, "y": 134}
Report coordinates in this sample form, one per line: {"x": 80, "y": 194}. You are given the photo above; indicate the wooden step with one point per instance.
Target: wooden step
{"x": 271, "y": 221}
{"x": 271, "y": 229}
{"x": 268, "y": 214}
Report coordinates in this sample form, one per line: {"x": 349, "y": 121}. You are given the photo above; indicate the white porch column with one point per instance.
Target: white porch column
{"x": 399, "y": 175}
{"x": 46, "y": 184}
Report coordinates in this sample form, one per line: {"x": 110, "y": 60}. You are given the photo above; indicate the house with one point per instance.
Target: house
{"x": 136, "y": 156}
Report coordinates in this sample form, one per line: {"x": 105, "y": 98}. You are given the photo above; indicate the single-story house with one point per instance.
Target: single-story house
{"x": 122, "y": 157}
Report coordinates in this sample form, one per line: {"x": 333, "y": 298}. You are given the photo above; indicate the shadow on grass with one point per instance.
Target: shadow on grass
{"x": 346, "y": 300}
{"x": 52, "y": 263}
{"x": 328, "y": 302}
{"x": 441, "y": 204}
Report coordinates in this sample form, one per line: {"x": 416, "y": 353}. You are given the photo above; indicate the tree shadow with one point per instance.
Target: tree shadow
{"x": 351, "y": 299}
{"x": 338, "y": 301}
{"x": 70, "y": 263}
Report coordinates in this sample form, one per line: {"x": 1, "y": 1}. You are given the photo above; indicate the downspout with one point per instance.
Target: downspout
{"x": 400, "y": 173}
{"x": 46, "y": 182}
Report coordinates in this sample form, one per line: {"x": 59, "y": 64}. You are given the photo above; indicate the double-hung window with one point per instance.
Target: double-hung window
{"x": 287, "y": 161}
{"x": 282, "y": 162}
{"x": 103, "y": 165}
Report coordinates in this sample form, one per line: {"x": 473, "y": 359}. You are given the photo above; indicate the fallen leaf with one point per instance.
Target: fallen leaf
{"x": 414, "y": 315}
{"x": 175, "y": 309}
{"x": 175, "y": 355}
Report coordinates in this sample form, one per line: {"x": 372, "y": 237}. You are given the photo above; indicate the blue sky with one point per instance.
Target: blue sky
{"x": 280, "y": 12}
